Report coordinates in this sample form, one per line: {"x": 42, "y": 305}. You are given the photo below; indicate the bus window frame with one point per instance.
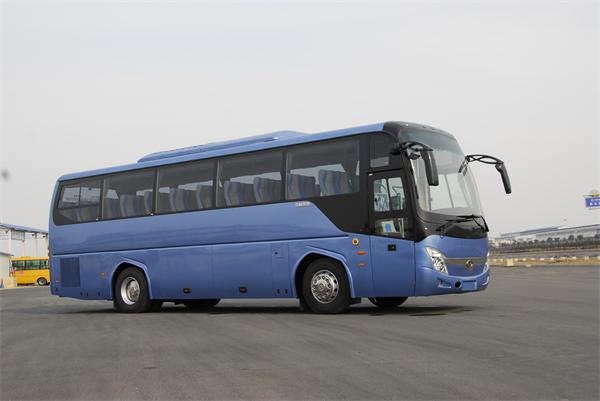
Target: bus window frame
{"x": 363, "y": 140}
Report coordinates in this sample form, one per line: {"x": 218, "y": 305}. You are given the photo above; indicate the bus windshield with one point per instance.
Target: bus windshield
{"x": 456, "y": 193}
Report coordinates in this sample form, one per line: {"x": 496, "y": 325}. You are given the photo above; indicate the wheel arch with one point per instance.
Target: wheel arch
{"x": 311, "y": 256}
{"x": 122, "y": 265}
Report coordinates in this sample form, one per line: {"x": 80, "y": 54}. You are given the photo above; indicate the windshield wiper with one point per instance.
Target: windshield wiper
{"x": 449, "y": 222}
{"x": 474, "y": 217}
{"x": 463, "y": 219}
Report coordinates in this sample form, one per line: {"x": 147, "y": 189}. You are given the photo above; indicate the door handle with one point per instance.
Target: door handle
{"x": 391, "y": 247}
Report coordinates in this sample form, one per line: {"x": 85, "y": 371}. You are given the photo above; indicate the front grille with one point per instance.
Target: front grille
{"x": 463, "y": 261}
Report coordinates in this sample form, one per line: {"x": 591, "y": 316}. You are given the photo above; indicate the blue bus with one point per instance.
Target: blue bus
{"x": 384, "y": 211}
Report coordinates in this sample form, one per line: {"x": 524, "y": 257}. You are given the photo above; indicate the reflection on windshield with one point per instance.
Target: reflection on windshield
{"x": 456, "y": 193}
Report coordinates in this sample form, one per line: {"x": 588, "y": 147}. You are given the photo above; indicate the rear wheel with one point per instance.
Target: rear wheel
{"x": 388, "y": 302}
{"x": 131, "y": 292}
{"x": 201, "y": 303}
{"x": 42, "y": 281}
{"x": 325, "y": 287}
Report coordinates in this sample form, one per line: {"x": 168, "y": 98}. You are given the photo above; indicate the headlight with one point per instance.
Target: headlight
{"x": 487, "y": 261}
{"x": 437, "y": 259}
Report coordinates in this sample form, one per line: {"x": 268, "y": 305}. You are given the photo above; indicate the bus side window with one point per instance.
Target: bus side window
{"x": 250, "y": 179}
{"x": 185, "y": 187}
{"x": 79, "y": 202}
{"x": 128, "y": 194}
{"x": 323, "y": 169}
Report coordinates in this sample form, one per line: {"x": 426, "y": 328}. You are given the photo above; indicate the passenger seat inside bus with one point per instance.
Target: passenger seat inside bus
{"x": 237, "y": 193}
{"x": 302, "y": 186}
{"x": 129, "y": 205}
{"x": 112, "y": 210}
{"x": 148, "y": 201}
{"x": 163, "y": 204}
{"x": 182, "y": 199}
{"x": 334, "y": 182}
{"x": 204, "y": 195}
{"x": 267, "y": 190}
{"x": 88, "y": 213}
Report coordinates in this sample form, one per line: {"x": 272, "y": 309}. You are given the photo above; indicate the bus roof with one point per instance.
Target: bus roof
{"x": 247, "y": 144}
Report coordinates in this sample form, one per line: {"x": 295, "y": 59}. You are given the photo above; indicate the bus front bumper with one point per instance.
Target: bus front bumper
{"x": 432, "y": 282}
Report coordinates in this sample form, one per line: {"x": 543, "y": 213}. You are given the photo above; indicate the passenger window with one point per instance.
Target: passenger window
{"x": 185, "y": 187}
{"x": 79, "y": 202}
{"x": 380, "y": 150}
{"x": 323, "y": 169}
{"x": 250, "y": 179}
{"x": 128, "y": 194}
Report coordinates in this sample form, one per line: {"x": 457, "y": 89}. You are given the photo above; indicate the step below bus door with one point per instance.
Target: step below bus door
{"x": 392, "y": 247}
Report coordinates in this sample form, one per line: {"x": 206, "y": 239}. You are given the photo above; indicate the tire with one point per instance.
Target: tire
{"x": 131, "y": 293}
{"x": 325, "y": 287}
{"x": 388, "y": 302}
{"x": 201, "y": 303}
{"x": 42, "y": 281}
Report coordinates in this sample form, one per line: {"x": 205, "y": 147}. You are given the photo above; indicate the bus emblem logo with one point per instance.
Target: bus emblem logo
{"x": 302, "y": 204}
{"x": 469, "y": 264}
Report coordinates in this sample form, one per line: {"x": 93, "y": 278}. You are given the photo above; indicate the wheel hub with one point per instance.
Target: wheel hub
{"x": 130, "y": 291}
{"x": 324, "y": 286}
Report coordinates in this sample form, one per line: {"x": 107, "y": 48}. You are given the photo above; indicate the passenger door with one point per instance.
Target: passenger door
{"x": 392, "y": 247}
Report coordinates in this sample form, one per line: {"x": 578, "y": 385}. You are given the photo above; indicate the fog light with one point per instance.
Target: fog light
{"x": 444, "y": 284}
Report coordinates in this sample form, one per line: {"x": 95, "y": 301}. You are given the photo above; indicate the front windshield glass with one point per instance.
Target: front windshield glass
{"x": 456, "y": 193}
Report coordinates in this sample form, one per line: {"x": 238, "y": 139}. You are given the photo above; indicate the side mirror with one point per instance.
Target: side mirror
{"x": 487, "y": 159}
{"x": 423, "y": 151}
{"x": 430, "y": 168}
{"x": 504, "y": 174}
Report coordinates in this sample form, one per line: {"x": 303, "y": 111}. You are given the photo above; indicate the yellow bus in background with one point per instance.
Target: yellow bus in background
{"x": 30, "y": 270}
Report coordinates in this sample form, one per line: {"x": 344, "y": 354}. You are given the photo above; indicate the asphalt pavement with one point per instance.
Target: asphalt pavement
{"x": 532, "y": 335}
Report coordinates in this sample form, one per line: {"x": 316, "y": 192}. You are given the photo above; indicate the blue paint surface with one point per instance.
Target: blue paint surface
{"x": 215, "y": 252}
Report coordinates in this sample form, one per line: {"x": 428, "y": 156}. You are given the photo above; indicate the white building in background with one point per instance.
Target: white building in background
{"x": 556, "y": 233}
{"x": 4, "y": 264}
{"x": 16, "y": 241}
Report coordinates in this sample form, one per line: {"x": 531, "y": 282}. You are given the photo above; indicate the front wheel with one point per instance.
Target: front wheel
{"x": 325, "y": 287}
{"x": 388, "y": 302}
{"x": 131, "y": 292}
{"x": 42, "y": 281}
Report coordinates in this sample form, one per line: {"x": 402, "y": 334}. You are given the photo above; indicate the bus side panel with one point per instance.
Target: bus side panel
{"x": 81, "y": 276}
{"x": 281, "y": 270}
{"x": 180, "y": 273}
{"x": 264, "y": 269}
{"x": 177, "y": 252}
{"x": 242, "y": 271}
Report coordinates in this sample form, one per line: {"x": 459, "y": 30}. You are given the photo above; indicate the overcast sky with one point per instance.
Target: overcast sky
{"x": 88, "y": 85}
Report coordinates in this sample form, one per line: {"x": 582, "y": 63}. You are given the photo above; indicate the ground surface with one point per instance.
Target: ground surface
{"x": 532, "y": 335}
